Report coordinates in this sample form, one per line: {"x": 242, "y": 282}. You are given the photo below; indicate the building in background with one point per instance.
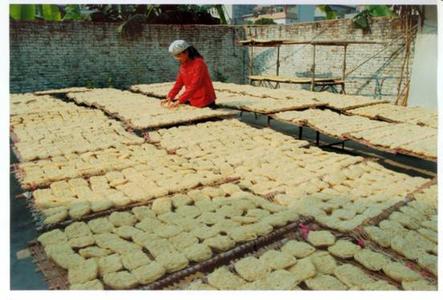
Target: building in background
{"x": 342, "y": 11}
{"x": 280, "y": 14}
{"x": 423, "y": 86}
{"x": 306, "y": 13}
{"x": 235, "y": 13}
{"x": 283, "y": 14}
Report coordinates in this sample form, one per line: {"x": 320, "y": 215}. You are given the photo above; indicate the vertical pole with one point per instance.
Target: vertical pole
{"x": 317, "y": 137}
{"x": 278, "y": 60}
{"x": 251, "y": 63}
{"x": 313, "y": 69}
{"x": 344, "y": 70}
{"x": 344, "y": 62}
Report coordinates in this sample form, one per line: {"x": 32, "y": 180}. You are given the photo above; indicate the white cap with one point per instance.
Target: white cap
{"x": 178, "y": 47}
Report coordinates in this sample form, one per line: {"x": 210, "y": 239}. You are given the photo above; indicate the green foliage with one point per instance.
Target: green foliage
{"x": 153, "y": 14}
{"x": 150, "y": 10}
{"x": 221, "y": 13}
{"x": 22, "y": 12}
{"x": 264, "y": 21}
{"x": 72, "y": 12}
{"x": 330, "y": 13}
{"x": 202, "y": 9}
{"x": 51, "y": 12}
{"x": 47, "y": 12}
{"x": 363, "y": 19}
{"x": 380, "y": 11}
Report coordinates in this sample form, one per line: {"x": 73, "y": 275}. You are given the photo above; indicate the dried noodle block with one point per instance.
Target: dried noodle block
{"x": 84, "y": 272}
{"x": 223, "y": 279}
{"x": 277, "y": 259}
{"x": 120, "y": 280}
{"x": 149, "y": 273}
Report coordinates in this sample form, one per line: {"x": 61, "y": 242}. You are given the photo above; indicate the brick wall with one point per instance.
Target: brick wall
{"x": 379, "y": 77}
{"x": 48, "y": 55}
{"x": 53, "y": 55}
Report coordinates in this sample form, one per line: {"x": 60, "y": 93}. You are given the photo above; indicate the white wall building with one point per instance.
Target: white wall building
{"x": 278, "y": 17}
{"x": 423, "y": 86}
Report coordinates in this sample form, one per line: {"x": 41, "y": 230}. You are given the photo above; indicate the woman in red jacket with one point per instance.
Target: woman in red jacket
{"x": 194, "y": 75}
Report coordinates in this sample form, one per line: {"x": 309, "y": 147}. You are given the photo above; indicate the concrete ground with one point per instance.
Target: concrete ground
{"x": 23, "y": 271}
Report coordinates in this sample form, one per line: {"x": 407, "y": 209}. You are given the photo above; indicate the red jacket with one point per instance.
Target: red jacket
{"x": 195, "y": 77}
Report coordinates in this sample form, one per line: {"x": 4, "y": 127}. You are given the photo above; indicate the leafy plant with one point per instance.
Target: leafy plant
{"x": 22, "y": 12}
{"x": 363, "y": 19}
{"x": 50, "y": 12}
{"x": 221, "y": 13}
{"x": 153, "y": 14}
{"x": 72, "y": 12}
{"x": 46, "y": 12}
{"x": 169, "y": 14}
{"x": 330, "y": 13}
{"x": 264, "y": 21}
{"x": 380, "y": 11}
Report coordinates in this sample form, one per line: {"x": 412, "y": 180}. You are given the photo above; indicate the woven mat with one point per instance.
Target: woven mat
{"x": 56, "y": 277}
{"x": 41, "y": 226}
{"x": 276, "y": 244}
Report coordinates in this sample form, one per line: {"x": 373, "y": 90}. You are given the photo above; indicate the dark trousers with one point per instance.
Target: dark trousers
{"x": 212, "y": 105}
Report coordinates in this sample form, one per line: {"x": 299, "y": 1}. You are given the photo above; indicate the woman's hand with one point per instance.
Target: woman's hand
{"x": 170, "y": 103}
{"x": 174, "y": 104}
{"x": 166, "y": 102}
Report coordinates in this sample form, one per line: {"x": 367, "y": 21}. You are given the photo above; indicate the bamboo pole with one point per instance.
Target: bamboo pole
{"x": 344, "y": 63}
{"x": 251, "y": 63}
{"x": 313, "y": 69}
